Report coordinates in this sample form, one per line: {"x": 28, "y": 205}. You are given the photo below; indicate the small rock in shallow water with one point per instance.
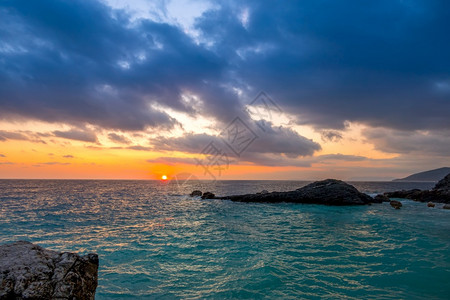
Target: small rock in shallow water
{"x": 430, "y": 204}
{"x": 395, "y": 204}
{"x": 196, "y": 193}
{"x": 446, "y": 206}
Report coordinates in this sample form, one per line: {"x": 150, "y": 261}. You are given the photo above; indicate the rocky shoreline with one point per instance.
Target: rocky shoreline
{"x": 338, "y": 193}
{"x": 326, "y": 192}
{"x": 439, "y": 194}
{"x": 28, "y": 271}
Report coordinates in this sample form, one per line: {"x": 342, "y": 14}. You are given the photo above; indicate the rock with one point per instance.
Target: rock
{"x": 446, "y": 206}
{"x": 196, "y": 193}
{"x": 327, "y": 192}
{"x": 264, "y": 192}
{"x": 28, "y": 271}
{"x": 443, "y": 185}
{"x": 395, "y": 204}
{"x": 430, "y": 204}
{"x": 439, "y": 194}
{"x": 381, "y": 198}
{"x": 208, "y": 195}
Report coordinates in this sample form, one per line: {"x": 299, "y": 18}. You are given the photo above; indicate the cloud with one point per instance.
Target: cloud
{"x": 267, "y": 159}
{"x": 426, "y": 143}
{"x": 331, "y": 136}
{"x": 118, "y": 138}
{"x": 55, "y": 163}
{"x": 277, "y": 145}
{"x": 2, "y": 155}
{"x": 348, "y": 64}
{"x": 167, "y": 160}
{"x": 107, "y": 73}
{"x": 77, "y": 134}
{"x": 140, "y": 148}
{"x": 6, "y": 163}
{"x": 68, "y": 156}
{"x": 280, "y": 141}
{"x": 339, "y": 156}
{"x": 82, "y": 62}
{"x": 10, "y": 135}
{"x": 21, "y": 136}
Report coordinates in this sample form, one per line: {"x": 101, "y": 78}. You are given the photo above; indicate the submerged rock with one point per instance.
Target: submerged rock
{"x": 395, "y": 204}
{"x": 28, "y": 271}
{"x": 430, "y": 204}
{"x": 196, "y": 193}
{"x": 439, "y": 194}
{"x": 328, "y": 192}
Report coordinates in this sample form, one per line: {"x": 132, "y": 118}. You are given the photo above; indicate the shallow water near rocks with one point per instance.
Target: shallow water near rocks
{"x": 154, "y": 241}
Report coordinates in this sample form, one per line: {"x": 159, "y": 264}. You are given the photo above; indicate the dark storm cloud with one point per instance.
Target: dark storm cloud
{"x": 383, "y": 63}
{"x": 80, "y": 62}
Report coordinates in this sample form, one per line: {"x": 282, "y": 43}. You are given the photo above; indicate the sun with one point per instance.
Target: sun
{"x": 164, "y": 177}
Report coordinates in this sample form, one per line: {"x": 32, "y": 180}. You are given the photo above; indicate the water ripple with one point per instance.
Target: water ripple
{"x": 155, "y": 242}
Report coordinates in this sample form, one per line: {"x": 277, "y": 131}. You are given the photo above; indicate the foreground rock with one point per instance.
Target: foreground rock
{"x": 439, "y": 194}
{"x": 328, "y": 192}
{"x": 28, "y": 271}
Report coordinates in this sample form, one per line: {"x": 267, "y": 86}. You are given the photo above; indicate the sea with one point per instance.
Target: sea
{"x": 154, "y": 241}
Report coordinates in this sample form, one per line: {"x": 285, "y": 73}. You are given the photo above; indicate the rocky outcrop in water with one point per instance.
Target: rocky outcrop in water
{"x": 28, "y": 271}
{"x": 196, "y": 193}
{"x": 328, "y": 192}
{"x": 395, "y": 204}
{"x": 381, "y": 198}
{"x": 439, "y": 194}
{"x": 208, "y": 195}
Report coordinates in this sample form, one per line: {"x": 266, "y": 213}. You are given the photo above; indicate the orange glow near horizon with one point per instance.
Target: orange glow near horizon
{"x": 42, "y": 157}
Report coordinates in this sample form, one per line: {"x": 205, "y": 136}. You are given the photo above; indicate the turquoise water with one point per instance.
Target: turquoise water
{"x": 156, "y": 242}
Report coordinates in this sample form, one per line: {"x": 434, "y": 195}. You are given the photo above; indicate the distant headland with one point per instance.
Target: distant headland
{"x": 431, "y": 175}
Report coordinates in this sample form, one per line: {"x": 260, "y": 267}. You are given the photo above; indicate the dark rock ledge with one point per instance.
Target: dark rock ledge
{"x": 439, "y": 194}
{"x": 327, "y": 192}
{"x": 28, "y": 271}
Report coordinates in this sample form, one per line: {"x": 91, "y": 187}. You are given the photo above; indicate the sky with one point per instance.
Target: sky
{"x": 219, "y": 90}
